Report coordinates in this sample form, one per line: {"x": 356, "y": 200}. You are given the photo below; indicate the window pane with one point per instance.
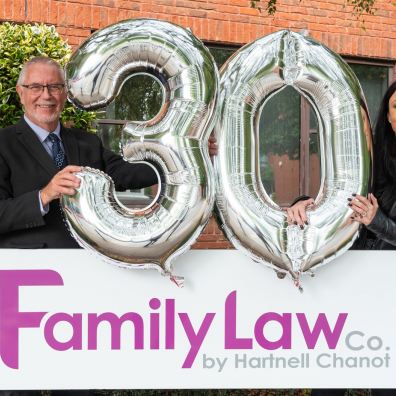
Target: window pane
{"x": 221, "y": 54}
{"x": 314, "y": 156}
{"x": 280, "y": 124}
{"x": 140, "y": 99}
{"x": 110, "y": 135}
{"x": 374, "y": 81}
{"x": 283, "y": 175}
{"x": 279, "y": 136}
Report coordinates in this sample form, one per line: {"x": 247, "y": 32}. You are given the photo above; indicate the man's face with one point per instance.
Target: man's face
{"x": 43, "y": 108}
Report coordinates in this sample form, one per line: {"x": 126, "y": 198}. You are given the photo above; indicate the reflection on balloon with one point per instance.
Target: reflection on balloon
{"x": 176, "y": 141}
{"x": 252, "y": 221}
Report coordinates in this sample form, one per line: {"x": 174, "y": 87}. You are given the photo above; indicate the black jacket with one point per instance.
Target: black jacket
{"x": 26, "y": 167}
{"x": 383, "y": 227}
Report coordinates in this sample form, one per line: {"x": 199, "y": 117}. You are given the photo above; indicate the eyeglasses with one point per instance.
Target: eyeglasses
{"x": 53, "y": 89}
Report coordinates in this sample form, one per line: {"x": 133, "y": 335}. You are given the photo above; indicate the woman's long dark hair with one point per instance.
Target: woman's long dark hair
{"x": 384, "y": 145}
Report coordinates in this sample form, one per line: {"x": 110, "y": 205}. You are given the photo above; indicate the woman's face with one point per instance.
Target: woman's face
{"x": 392, "y": 111}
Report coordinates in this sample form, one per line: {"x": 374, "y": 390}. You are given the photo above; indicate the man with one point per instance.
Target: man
{"x": 34, "y": 155}
{"x": 34, "y": 173}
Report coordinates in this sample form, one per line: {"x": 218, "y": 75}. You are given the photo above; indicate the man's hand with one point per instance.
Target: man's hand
{"x": 64, "y": 182}
{"x": 364, "y": 209}
{"x": 212, "y": 146}
{"x": 297, "y": 215}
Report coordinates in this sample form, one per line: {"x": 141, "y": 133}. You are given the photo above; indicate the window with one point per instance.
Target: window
{"x": 374, "y": 79}
{"x": 140, "y": 99}
{"x": 289, "y": 157}
{"x": 289, "y": 136}
{"x": 288, "y": 127}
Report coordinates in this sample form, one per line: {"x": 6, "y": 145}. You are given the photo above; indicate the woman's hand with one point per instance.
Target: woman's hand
{"x": 364, "y": 209}
{"x": 212, "y": 146}
{"x": 297, "y": 215}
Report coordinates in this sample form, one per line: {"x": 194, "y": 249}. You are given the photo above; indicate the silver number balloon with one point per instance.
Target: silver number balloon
{"x": 252, "y": 221}
{"x": 176, "y": 140}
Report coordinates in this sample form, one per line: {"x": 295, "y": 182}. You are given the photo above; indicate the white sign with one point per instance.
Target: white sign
{"x": 70, "y": 321}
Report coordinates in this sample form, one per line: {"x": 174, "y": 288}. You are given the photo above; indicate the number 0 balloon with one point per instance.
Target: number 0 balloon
{"x": 176, "y": 141}
{"x": 252, "y": 221}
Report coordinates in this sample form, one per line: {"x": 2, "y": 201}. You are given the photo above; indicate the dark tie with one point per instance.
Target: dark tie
{"x": 58, "y": 154}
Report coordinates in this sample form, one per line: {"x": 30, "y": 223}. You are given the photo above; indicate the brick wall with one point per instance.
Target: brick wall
{"x": 222, "y": 21}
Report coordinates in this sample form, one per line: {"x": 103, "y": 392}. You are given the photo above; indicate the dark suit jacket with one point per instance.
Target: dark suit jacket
{"x": 26, "y": 167}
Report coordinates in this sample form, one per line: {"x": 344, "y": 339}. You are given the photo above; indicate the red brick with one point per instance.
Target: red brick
{"x": 165, "y": 2}
{"x": 61, "y": 30}
{"x": 238, "y": 18}
{"x": 129, "y": 5}
{"x": 8, "y": 10}
{"x": 240, "y": 3}
{"x": 95, "y": 17}
{"x": 226, "y": 32}
{"x": 61, "y": 14}
{"x": 53, "y": 12}
{"x": 198, "y": 13}
{"x": 209, "y": 6}
{"x": 19, "y": 10}
{"x": 227, "y": 9}
{"x": 205, "y": 29}
{"x": 210, "y": 227}
{"x": 122, "y": 14}
{"x": 85, "y": 17}
{"x": 216, "y": 15}
{"x": 212, "y": 245}
{"x": 113, "y": 16}
{"x": 187, "y": 4}
{"x": 248, "y": 11}
{"x": 70, "y": 14}
{"x": 73, "y": 41}
{"x": 104, "y": 20}
{"x": 35, "y": 10}
{"x": 78, "y": 32}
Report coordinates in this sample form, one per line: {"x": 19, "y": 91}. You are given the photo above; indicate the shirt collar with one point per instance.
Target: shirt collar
{"x": 40, "y": 132}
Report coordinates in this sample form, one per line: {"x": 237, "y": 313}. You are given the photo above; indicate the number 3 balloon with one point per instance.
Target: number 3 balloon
{"x": 252, "y": 221}
{"x": 176, "y": 141}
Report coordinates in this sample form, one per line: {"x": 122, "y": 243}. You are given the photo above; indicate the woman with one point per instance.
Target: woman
{"x": 377, "y": 212}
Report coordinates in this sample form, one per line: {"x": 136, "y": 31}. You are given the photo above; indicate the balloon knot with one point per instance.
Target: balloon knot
{"x": 177, "y": 280}
{"x": 297, "y": 283}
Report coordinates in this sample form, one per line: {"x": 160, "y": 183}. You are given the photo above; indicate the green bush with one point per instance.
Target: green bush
{"x": 18, "y": 44}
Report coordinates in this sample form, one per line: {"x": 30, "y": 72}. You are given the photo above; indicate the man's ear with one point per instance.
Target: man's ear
{"x": 19, "y": 91}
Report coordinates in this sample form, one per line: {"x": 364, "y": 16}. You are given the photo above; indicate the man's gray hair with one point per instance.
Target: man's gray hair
{"x": 43, "y": 60}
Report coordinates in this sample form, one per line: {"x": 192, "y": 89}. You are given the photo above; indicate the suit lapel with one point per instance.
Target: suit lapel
{"x": 34, "y": 147}
{"x": 70, "y": 144}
